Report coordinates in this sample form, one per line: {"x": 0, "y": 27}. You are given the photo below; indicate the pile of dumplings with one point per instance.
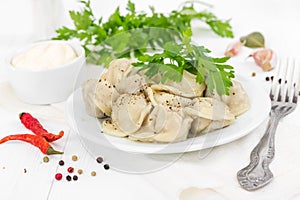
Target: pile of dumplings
{"x": 132, "y": 105}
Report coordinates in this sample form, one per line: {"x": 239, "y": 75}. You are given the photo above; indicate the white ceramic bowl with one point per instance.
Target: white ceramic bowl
{"x": 45, "y": 86}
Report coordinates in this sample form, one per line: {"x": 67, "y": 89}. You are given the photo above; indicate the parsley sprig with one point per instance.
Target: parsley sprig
{"x": 105, "y": 41}
{"x": 176, "y": 58}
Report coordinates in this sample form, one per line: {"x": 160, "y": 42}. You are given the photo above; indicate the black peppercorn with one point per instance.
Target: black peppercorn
{"x": 99, "y": 160}
{"x": 106, "y": 166}
{"x": 69, "y": 178}
{"x": 75, "y": 178}
{"x": 61, "y": 162}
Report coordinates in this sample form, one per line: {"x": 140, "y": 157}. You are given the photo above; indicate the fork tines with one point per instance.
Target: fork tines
{"x": 286, "y": 81}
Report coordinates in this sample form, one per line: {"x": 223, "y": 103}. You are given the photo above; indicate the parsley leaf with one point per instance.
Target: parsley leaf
{"x": 93, "y": 32}
{"x": 185, "y": 56}
{"x": 135, "y": 34}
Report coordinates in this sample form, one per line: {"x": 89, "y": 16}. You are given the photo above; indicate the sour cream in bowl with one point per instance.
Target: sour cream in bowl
{"x": 45, "y": 72}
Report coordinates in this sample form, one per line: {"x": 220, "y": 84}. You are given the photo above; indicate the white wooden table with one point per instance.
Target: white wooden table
{"x": 24, "y": 175}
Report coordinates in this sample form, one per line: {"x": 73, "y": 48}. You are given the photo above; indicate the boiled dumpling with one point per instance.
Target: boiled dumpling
{"x": 129, "y": 112}
{"x": 187, "y": 87}
{"x": 217, "y": 124}
{"x": 163, "y": 125}
{"x": 209, "y": 108}
{"x": 104, "y": 96}
{"x": 117, "y": 70}
{"x": 106, "y": 92}
{"x": 152, "y": 125}
{"x": 176, "y": 128}
{"x": 209, "y": 114}
{"x": 110, "y": 127}
{"x": 237, "y": 101}
{"x": 199, "y": 124}
{"x": 131, "y": 84}
{"x": 167, "y": 100}
{"x": 88, "y": 93}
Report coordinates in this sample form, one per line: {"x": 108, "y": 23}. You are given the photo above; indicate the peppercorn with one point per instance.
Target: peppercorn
{"x": 93, "y": 173}
{"x": 74, "y": 158}
{"x": 75, "y": 178}
{"x": 46, "y": 159}
{"x": 61, "y": 163}
{"x": 106, "y": 166}
{"x": 69, "y": 178}
{"x": 70, "y": 169}
{"x": 79, "y": 171}
{"x": 58, "y": 176}
{"x": 25, "y": 171}
{"x": 253, "y": 74}
{"x": 272, "y": 78}
{"x": 99, "y": 160}
{"x": 267, "y": 78}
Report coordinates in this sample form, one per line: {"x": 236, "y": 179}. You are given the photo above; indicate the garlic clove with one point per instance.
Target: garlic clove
{"x": 233, "y": 49}
{"x": 264, "y": 58}
{"x": 267, "y": 66}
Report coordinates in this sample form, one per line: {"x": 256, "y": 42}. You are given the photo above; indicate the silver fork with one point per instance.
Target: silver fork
{"x": 284, "y": 97}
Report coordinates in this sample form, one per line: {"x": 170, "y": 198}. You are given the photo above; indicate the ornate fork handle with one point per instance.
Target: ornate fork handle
{"x": 257, "y": 174}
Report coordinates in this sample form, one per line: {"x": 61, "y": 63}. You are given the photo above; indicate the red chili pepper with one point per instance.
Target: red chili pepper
{"x": 35, "y": 126}
{"x": 35, "y": 140}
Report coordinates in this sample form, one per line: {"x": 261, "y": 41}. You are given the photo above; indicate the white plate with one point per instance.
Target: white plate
{"x": 89, "y": 128}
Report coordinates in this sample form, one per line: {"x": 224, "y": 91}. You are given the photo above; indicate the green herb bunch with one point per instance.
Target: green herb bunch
{"x": 186, "y": 56}
{"x": 105, "y": 41}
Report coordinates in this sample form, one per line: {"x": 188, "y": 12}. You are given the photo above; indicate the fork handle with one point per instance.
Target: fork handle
{"x": 257, "y": 174}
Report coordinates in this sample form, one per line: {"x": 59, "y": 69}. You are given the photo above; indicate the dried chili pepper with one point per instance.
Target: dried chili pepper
{"x": 35, "y": 140}
{"x": 35, "y": 126}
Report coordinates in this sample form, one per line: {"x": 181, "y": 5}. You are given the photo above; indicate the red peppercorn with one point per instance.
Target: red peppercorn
{"x": 58, "y": 176}
{"x": 70, "y": 169}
